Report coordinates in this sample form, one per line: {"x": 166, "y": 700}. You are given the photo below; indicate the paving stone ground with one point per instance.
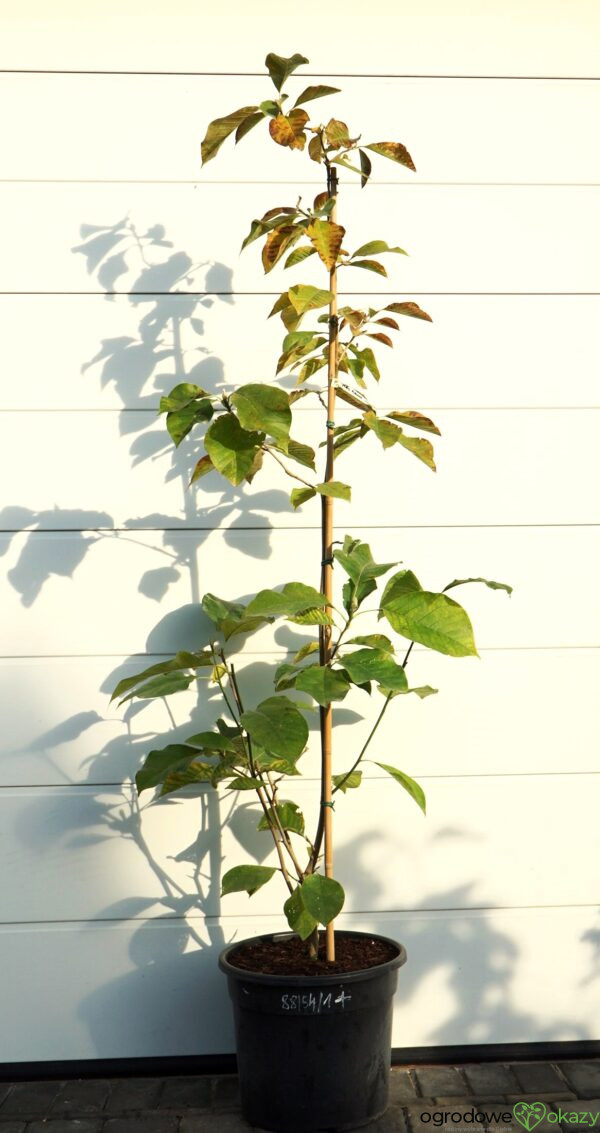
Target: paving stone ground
{"x": 478, "y": 1097}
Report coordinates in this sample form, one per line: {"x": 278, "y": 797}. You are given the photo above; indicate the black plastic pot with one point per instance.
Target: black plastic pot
{"x": 313, "y": 1051}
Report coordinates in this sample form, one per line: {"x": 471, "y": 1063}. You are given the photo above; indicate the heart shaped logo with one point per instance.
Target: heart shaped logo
{"x": 529, "y": 1115}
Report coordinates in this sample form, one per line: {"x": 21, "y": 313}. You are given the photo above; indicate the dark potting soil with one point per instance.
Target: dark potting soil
{"x": 288, "y": 956}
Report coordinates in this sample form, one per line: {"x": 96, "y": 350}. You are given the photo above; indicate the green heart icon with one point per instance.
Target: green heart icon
{"x": 529, "y": 1115}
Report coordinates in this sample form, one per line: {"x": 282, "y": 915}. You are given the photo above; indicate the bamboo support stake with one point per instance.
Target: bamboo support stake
{"x": 327, "y": 571}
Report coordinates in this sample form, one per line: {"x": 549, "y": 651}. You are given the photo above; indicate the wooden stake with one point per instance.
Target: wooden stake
{"x": 327, "y": 569}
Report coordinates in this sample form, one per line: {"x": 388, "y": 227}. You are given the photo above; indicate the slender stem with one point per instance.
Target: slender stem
{"x": 366, "y": 744}
{"x": 220, "y": 682}
{"x": 287, "y": 471}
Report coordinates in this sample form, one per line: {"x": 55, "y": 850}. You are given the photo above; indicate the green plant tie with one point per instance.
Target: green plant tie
{"x": 331, "y": 424}
{"x": 328, "y": 561}
{"x": 332, "y": 805}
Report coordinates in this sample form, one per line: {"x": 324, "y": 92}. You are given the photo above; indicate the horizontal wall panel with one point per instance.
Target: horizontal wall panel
{"x": 475, "y": 484}
{"x": 459, "y": 238}
{"x": 87, "y": 352}
{"x": 451, "y": 127}
{"x": 539, "y": 37}
{"x": 94, "y": 593}
{"x": 117, "y": 862}
{"x": 60, "y": 728}
{"x": 142, "y": 989}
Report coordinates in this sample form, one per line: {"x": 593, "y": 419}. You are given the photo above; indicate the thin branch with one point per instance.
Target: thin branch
{"x": 287, "y": 471}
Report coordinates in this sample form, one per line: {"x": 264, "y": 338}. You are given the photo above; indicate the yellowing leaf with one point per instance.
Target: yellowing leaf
{"x": 395, "y": 151}
{"x": 288, "y": 130}
{"x": 326, "y": 237}
{"x": 411, "y": 309}
{"x": 277, "y": 243}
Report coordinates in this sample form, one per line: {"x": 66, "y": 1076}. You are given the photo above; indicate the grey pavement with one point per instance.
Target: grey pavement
{"x": 480, "y": 1095}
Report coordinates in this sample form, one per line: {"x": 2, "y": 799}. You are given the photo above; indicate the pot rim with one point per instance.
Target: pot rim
{"x": 362, "y": 974}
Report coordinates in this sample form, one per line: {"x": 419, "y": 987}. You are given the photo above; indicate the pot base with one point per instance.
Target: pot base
{"x": 314, "y": 1051}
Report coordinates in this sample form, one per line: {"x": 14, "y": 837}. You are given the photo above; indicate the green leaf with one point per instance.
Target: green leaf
{"x": 390, "y": 434}
{"x": 304, "y": 297}
{"x": 264, "y": 761}
{"x": 315, "y": 92}
{"x": 278, "y": 726}
{"x": 230, "y": 617}
{"x": 231, "y": 448}
{"x": 323, "y": 683}
{"x": 317, "y": 901}
{"x": 292, "y": 599}
{"x": 246, "y": 878}
{"x": 415, "y": 419}
{"x": 374, "y": 641}
{"x": 281, "y": 68}
{"x": 180, "y": 396}
{"x": 220, "y": 129}
{"x": 298, "y": 917}
{"x": 211, "y": 741}
{"x": 180, "y": 421}
{"x": 368, "y": 265}
{"x": 302, "y": 454}
{"x": 244, "y": 783}
{"x": 248, "y": 124}
{"x": 312, "y": 617}
{"x": 299, "y": 496}
{"x": 365, "y": 167}
{"x": 350, "y": 780}
{"x": 160, "y": 686}
{"x": 374, "y": 665}
{"x": 327, "y": 238}
{"x": 265, "y": 408}
{"x": 357, "y": 560}
{"x": 188, "y": 775}
{"x": 158, "y": 763}
{"x": 298, "y": 255}
{"x": 415, "y": 791}
{"x": 335, "y": 489}
{"x": 306, "y": 650}
{"x": 412, "y": 310}
{"x": 323, "y": 897}
{"x": 289, "y": 815}
{"x": 431, "y": 619}
{"x": 373, "y": 247}
{"x": 181, "y": 660}
{"x": 270, "y": 107}
{"x": 423, "y": 692}
{"x": 485, "y": 581}
{"x": 395, "y": 151}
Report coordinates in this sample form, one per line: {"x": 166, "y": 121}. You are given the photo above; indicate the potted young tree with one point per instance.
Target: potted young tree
{"x": 313, "y": 1009}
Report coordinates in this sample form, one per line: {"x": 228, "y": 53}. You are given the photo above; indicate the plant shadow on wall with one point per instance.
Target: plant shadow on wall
{"x": 168, "y": 345}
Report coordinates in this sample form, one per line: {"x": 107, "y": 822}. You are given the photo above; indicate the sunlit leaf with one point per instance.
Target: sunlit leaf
{"x": 335, "y": 489}
{"x": 395, "y": 151}
{"x": 288, "y": 129}
{"x": 245, "y": 878}
{"x": 315, "y": 92}
{"x": 317, "y": 901}
{"x": 182, "y": 395}
{"x": 414, "y": 790}
{"x": 302, "y": 454}
{"x": 299, "y": 496}
{"x": 291, "y": 599}
{"x": 315, "y": 149}
{"x": 298, "y": 255}
{"x": 374, "y": 665}
{"x": 428, "y": 618}
{"x": 306, "y": 650}
{"x": 180, "y": 421}
{"x": 368, "y": 265}
{"x": 281, "y": 68}
{"x": 288, "y": 814}
{"x": 374, "y": 247}
{"x": 305, "y": 297}
{"x": 220, "y": 129}
{"x": 485, "y": 581}
{"x": 231, "y": 448}
{"x": 278, "y": 726}
{"x": 414, "y": 418}
{"x": 412, "y": 310}
{"x": 203, "y": 466}
{"x": 327, "y": 238}
{"x": 158, "y": 763}
{"x": 336, "y": 133}
{"x": 163, "y": 685}
{"x": 351, "y": 780}
{"x": 323, "y": 683}
{"x": 264, "y": 408}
